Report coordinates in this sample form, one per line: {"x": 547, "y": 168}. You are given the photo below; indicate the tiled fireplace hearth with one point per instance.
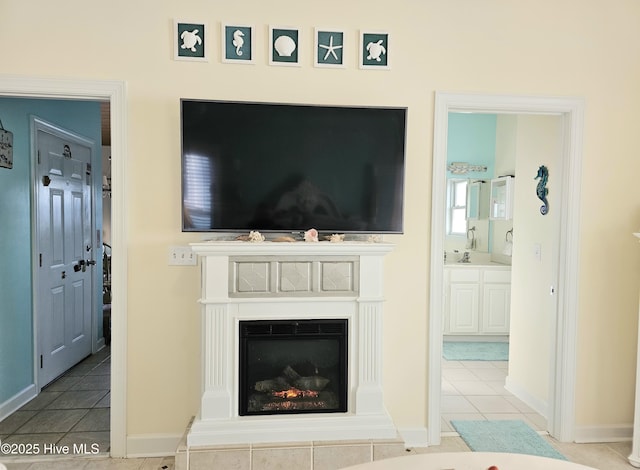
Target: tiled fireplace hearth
{"x": 291, "y": 287}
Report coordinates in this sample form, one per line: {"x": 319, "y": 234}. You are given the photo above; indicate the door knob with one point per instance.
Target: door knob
{"x": 91, "y": 262}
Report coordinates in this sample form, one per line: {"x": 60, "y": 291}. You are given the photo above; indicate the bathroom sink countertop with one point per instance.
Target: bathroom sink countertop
{"x": 474, "y": 264}
{"x": 476, "y": 259}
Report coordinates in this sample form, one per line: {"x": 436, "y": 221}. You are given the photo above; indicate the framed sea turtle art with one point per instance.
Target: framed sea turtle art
{"x": 238, "y": 43}
{"x": 190, "y": 40}
{"x": 374, "y": 50}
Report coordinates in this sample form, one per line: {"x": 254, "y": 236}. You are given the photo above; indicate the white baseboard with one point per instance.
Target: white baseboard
{"x": 414, "y": 437}
{"x": 152, "y": 445}
{"x": 593, "y": 434}
{"x": 540, "y": 406}
{"x": 100, "y": 344}
{"x": 15, "y": 402}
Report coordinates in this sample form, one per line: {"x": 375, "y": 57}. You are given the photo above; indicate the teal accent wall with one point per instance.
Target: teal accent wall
{"x": 16, "y": 284}
{"x": 472, "y": 138}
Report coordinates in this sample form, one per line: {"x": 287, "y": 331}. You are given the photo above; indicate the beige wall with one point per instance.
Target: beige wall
{"x": 538, "y": 142}
{"x": 570, "y": 48}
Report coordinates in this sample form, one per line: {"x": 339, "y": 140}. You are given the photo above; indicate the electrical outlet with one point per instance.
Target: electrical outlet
{"x": 182, "y": 256}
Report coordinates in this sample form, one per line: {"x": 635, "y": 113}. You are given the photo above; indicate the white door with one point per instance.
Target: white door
{"x": 65, "y": 256}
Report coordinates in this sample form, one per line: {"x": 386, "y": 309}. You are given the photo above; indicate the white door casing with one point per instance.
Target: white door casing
{"x": 115, "y": 93}
{"x": 561, "y": 416}
{"x": 64, "y": 228}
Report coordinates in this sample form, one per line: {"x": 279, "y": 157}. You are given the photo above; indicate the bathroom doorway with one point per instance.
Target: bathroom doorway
{"x": 560, "y": 347}
{"x": 498, "y": 155}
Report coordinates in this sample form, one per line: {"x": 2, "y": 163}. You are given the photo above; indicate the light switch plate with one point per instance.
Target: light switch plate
{"x": 182, "y": 256}
{"x": 537, "y": 251}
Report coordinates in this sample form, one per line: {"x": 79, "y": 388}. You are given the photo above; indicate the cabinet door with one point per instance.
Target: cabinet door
{"x": 496, "y": 304}
{"x": 463, "y": 308}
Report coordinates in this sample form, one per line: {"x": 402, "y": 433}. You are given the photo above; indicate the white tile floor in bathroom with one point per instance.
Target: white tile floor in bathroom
{"x": 474, "y": 390}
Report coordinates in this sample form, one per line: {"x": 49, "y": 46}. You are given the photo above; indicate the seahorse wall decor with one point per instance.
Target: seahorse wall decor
{"x": 541, "y": 189}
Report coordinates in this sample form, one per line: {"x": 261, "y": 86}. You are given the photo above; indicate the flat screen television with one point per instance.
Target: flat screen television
{"x": 288, "y": 168}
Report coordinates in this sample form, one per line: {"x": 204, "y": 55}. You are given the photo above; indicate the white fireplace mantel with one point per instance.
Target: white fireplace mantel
{"x": 273, "y": 281}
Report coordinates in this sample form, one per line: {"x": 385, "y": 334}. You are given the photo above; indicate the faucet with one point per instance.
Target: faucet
{"x": 465, "y": 258}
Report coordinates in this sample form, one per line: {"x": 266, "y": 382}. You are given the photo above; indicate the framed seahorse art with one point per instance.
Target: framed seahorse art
{"x": 237, "y": 43}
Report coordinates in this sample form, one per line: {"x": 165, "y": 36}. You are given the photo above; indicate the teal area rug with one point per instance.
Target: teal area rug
{"x": 512, "y": 436}
{"x": 475, "y": 351}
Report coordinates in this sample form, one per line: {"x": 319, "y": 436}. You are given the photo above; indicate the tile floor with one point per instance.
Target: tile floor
{"x": 599, "y": 456}
{"x": 73, "y": 409}
{"x": 474, "y": 390}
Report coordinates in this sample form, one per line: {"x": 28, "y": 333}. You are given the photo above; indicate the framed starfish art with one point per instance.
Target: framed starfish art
{"x": 329, "y": 50}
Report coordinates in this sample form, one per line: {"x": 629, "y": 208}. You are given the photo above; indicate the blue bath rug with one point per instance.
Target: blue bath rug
{"x": 511, "y": 436}
{"x": 475, "y": 351}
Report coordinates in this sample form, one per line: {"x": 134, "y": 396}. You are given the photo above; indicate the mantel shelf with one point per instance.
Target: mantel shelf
{"x": 240, "y": 248}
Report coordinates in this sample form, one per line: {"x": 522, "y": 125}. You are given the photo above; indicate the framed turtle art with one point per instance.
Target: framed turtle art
{"x": 190, "y": 40}
{"x": 374, "y": 50}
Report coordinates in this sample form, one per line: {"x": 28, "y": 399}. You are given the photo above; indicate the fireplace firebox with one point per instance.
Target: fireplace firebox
{"x": 293, "y": 366}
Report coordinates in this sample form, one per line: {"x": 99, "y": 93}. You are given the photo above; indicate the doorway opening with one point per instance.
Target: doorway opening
{"x": 501, "y": 154}
{"x": 72, "y": 369}
{"x": 560, "y": 412}
{"x": 113, "y": 93}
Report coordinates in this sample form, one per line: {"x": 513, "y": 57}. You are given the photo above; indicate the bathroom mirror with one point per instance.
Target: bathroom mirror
{"x": 479, "y": 148}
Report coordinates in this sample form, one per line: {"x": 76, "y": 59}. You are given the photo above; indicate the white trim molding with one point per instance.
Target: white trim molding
{"x": 563, "y": 370}
{"x": 152, "y": 445}
{"x": 634, "y": 458}
{"x": 521, "y": 393}
{"x": 14, "y": 403}
{"x": 597, "y": 434}
{"x": 115, "y": 93}
{"x": 414, "y": 437}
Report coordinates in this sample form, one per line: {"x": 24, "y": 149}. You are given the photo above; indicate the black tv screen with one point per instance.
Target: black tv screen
{"x": 288, "y": 168}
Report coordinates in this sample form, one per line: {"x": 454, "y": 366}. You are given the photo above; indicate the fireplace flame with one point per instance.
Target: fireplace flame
{"x": 295, "y": 393}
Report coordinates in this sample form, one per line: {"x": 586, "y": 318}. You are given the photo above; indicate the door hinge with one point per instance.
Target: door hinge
{"x": 40, "y": 259}
{"x": 40, "y": 361}
{"x": 38, "y": 157}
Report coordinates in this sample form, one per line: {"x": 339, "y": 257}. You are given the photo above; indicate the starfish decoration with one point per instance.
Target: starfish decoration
{"x": 331, "y": 49}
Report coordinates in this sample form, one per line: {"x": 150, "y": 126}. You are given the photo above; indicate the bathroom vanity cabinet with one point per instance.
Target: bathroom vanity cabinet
{"x": 477, "y": 299}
